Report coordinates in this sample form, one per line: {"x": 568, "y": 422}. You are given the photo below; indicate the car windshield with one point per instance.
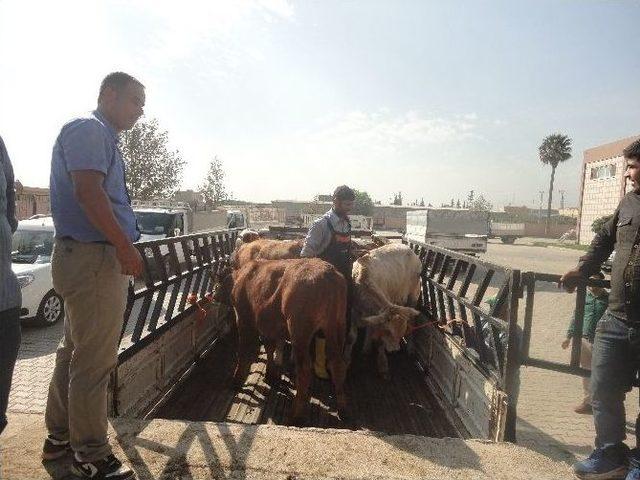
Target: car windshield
{"x": 154, "y": 223}
{"x": 32, "y": 246}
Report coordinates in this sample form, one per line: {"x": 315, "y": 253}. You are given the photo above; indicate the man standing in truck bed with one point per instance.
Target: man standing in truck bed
{"x": 330, "y": 239}
{"x": 616, "y": 346}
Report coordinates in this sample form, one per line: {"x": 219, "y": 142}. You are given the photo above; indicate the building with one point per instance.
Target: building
{"x": 392, "y": 217}
{"x": 31, "y": 201}
{"x": 294, "y": 209}
{"x": 602, "y": 184}
{"x": 572, "y": 212}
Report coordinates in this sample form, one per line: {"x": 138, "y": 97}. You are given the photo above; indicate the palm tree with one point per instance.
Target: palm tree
{"x": 555, "y": 149}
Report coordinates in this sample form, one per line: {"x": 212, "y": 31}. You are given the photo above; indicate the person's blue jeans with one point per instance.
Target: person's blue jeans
{"x": 613, "y": 367}
{"x": 9, "y": 345}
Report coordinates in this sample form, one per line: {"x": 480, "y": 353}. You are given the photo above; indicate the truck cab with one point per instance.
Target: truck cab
{"x": 157, "y": 219}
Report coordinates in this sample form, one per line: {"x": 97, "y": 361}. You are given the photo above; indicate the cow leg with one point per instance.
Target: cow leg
{"x": 303, "y": 384}
{"x": 273, "y": 370}
{"x": 338, "y": 368}
{"x": 247, "y": 348}
{"x": 382, "y": 362}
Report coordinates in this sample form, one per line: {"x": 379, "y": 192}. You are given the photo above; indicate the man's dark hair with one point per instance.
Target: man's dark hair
{"x": 632, "y": 152}
{"x": 344, "y": 193}
{"x": 118, "y": 81}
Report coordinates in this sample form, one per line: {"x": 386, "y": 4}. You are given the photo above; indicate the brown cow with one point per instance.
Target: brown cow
{"x": 282, "y": 300}
{"x": 266, "y": 249}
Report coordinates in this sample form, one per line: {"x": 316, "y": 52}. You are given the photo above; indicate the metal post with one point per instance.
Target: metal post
{"x": 576, "y": 345}
{"x": 513, "y": 360}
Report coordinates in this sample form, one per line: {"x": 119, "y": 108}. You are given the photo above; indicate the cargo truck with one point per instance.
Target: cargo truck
{"x": 459, "y": 230}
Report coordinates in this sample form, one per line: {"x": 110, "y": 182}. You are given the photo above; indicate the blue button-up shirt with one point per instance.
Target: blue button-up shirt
{"x": 88, "y": 143}
{"x": 319, "y": 236}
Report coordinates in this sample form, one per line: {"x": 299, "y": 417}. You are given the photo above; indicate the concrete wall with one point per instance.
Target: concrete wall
{"x": 600, "y": 196}
{"x": 32, "y": 201}
{"x": 538, "y": 230}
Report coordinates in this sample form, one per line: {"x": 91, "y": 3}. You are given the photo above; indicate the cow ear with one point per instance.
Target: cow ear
{"x": 373, "y": 320}
{"x": 409, "y": 312}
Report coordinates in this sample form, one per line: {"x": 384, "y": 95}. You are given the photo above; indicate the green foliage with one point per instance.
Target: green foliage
{"x": 213, "y": 189}
{"x": 480, "y": 203}
{"x": 555, "y": 149}
{"x": 153, "y": 171}
{"x": 363, "y": 204}
{"x": 598, "y": 223}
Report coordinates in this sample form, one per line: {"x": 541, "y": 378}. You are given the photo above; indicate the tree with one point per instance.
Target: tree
{"x": 152, "y": 169}
{"x": 363, "y": 204}
{"x": 482, "y": 204}
{"x": 422, "y": 202}
{"x": 470, "y": 197}
{"x": 599, "y": 223}
{"x": 554, "y": 149}
{"x": 458, "y": 204}
{"x": 213, "y": 188}
{"x": 397, "y": 198}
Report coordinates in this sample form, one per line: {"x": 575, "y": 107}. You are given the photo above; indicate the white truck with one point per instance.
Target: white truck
{"x": 164, "y": 218}
{"x": 158, "y": 219}
{"x": 459, "y": 230}
{"x": 507, "y": 232}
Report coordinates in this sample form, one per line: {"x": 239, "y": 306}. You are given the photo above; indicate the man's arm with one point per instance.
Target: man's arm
{"x": 96, "y": 205}
{"x": 601, "y": 247}
{"x": 317, "y": 239}
{"x": 11, "y": 191}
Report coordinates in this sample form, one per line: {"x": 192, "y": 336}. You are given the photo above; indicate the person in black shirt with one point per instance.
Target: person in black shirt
{"x": 617, "y": 341}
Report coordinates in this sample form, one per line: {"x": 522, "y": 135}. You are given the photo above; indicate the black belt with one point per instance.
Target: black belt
{"x": 99, "y": 242}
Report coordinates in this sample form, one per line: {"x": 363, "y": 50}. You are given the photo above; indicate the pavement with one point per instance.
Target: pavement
{"x": 546, "y": 423}
{"x": 172, "y": 450}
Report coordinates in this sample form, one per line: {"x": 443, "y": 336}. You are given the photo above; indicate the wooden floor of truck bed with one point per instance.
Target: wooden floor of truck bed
{"x": 403, "y": 405}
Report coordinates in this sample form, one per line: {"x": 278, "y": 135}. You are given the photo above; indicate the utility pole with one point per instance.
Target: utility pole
{"x": 562, "y": 192}
{"x": 541, "y": 192}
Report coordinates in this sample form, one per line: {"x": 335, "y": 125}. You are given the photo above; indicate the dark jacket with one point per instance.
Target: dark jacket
{"x": 621, "y": 234}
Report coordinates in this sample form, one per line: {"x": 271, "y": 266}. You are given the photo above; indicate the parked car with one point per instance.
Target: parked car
{"x": 31, "y": 261}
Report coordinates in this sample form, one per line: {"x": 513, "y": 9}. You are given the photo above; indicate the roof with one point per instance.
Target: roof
{"x": 608, "y": 150}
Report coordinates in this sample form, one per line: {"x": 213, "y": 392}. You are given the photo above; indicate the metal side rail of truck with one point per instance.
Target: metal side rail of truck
{"x": 455, "y": 379}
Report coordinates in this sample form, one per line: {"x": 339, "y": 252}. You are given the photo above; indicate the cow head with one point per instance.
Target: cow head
{"x": 223, "y": 284}
{"x": 391, "y": 324}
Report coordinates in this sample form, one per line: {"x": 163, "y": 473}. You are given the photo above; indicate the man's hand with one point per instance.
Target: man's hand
{"x": 130, "y": 260}
{"x": 565, "y": 343}
{"x": 570, "y": 280}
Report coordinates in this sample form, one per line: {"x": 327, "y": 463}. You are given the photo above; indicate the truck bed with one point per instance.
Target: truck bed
{"x": 403, "y": 405}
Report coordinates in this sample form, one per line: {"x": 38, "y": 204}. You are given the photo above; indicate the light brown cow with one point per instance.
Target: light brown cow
{"x": 282, "y": 300}
{"x": 387, "y": 287}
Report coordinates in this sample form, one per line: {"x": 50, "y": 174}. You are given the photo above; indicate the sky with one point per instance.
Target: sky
{"x": 430, "y": 98}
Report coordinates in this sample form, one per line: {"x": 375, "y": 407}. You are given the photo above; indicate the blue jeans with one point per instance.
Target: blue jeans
{"x": 9, "y": 344}
{"x": 613, "y": 368}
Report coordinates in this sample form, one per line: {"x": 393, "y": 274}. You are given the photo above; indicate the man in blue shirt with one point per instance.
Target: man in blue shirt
{"x": 91, "y": 264}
